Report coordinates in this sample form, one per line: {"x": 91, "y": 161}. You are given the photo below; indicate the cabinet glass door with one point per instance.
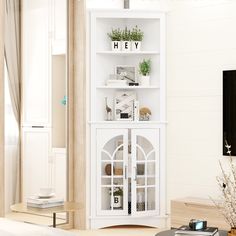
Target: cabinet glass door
{"x": 145, "y": 171}
{"x": 112, "y": 179}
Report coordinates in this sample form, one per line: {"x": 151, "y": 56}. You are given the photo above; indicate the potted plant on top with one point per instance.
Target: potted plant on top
{"x": 115, "y": 37}
{"x": 136, "y": 37}
{"x": 126, "y": 37}
{"x": 144, "y": 70}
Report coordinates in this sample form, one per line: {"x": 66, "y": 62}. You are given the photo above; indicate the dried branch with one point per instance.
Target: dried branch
{"x": 227, "y": 185}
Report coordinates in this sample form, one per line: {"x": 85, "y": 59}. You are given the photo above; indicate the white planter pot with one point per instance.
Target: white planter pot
{"x": 144, "y": 80}
{"x": 116, "y": 46}
{"x": 136, "y": 45}
{"x": 126, "y": 46}
{"x": 117, "y": 203}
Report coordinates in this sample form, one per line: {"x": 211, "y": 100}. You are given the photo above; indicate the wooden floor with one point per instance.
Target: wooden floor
{"x": 113, "y": 231}
{"x": 126, "y": 231}
{"x": 45, "y": 220}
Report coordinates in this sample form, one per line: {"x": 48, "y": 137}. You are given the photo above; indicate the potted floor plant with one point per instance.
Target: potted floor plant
{"x": 136, "y": 38}
{"x": 144, "y": 70}
{"x": 126, "y": 37}
{"x": 115, "y": 36}
{"x": 117, "y": 197}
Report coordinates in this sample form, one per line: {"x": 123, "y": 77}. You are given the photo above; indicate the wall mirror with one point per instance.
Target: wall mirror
{"x": 36, "y": 127}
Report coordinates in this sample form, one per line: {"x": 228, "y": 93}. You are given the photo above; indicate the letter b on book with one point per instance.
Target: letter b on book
{"x": 117, "y": 201}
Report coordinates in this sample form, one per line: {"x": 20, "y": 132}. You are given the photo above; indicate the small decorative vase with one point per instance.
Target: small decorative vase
{"x": 109, "y": 116}
{"x": 116, "y": 46}
{"x": 140, "y": 206}
{"x": 140, "y": 202}
{"x": 145, "y": 80}
{"x": 126, "y": 4}
{"x": 136, "y": 45}
{"x": 117, "y": 201}
{"x": 126, "y": 46}
{"x": 108, "y": 169}
{"x": 232, "y": 232}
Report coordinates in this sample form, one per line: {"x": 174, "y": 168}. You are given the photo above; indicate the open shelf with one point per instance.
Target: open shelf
{"x": 128, "y": 87}
{"x": 145, "y": 161}
{"x": 128, "y": 122}
{"x": 145, "y": 186}
{"x": 123, "y": 53}
{"x": 114, "y": 185}
{"x": 146, "y": 176}
{"x": 109, "y": 176}
{"x": 114, "y": 161}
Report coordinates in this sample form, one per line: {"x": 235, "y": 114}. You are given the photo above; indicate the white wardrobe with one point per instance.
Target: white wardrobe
{"x": 43, "y": 46}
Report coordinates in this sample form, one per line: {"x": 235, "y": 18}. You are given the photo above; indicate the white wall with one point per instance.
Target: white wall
{"x": 58, "y": 93}
{"x": 201, "y": 42}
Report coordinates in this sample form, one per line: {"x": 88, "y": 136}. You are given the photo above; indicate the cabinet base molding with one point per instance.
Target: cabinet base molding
{"x": 150, "y": 221}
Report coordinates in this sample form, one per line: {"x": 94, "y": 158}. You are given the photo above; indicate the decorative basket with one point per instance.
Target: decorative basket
{"x": 118, "y": 171}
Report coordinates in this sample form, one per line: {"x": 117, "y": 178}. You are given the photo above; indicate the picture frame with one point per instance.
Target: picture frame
{"x": 124, "y": 103}
{"x": 126, "y": 72}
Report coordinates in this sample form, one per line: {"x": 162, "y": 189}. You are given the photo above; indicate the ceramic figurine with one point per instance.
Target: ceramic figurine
{"x": 144, "y": 113}
{"x": 108, "y": 111}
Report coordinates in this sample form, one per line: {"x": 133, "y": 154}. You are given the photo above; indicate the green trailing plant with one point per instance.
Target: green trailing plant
{"x": 115, "y": 34}
{"x": 126, "y": 35}
{"x": 117, "y": 191}
{"x": 145, "y": 67}
{"x": 136, "y": 34}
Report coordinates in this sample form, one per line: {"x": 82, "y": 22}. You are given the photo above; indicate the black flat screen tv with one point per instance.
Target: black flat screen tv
{"x": 229, "y": 111}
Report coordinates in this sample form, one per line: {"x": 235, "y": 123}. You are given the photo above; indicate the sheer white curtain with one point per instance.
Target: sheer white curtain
{"x": 12, "y": 52}
{"x": 12, "y": 91}
{"x": 11, "y": 151}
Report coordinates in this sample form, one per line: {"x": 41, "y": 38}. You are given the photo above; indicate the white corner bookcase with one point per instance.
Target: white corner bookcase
{"x": 133, "y": 150}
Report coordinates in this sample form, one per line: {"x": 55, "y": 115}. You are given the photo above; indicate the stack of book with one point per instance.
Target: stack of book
{"x": 44, "y": 202}
{"x": 116, "y": 82}
{"x": 186, "y": 230}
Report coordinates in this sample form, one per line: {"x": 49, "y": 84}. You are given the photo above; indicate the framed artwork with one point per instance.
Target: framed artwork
{"x": 124, "y": 102}
{"x": 126, "y": 72}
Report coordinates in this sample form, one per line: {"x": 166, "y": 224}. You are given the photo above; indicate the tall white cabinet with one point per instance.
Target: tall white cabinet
{"x": 40, "y": 34}
{"x": 127, "y": 157}
{"x": 36, "y": 64}
{"x": 35, "y": 162}
{"x": 59, "y": 22}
